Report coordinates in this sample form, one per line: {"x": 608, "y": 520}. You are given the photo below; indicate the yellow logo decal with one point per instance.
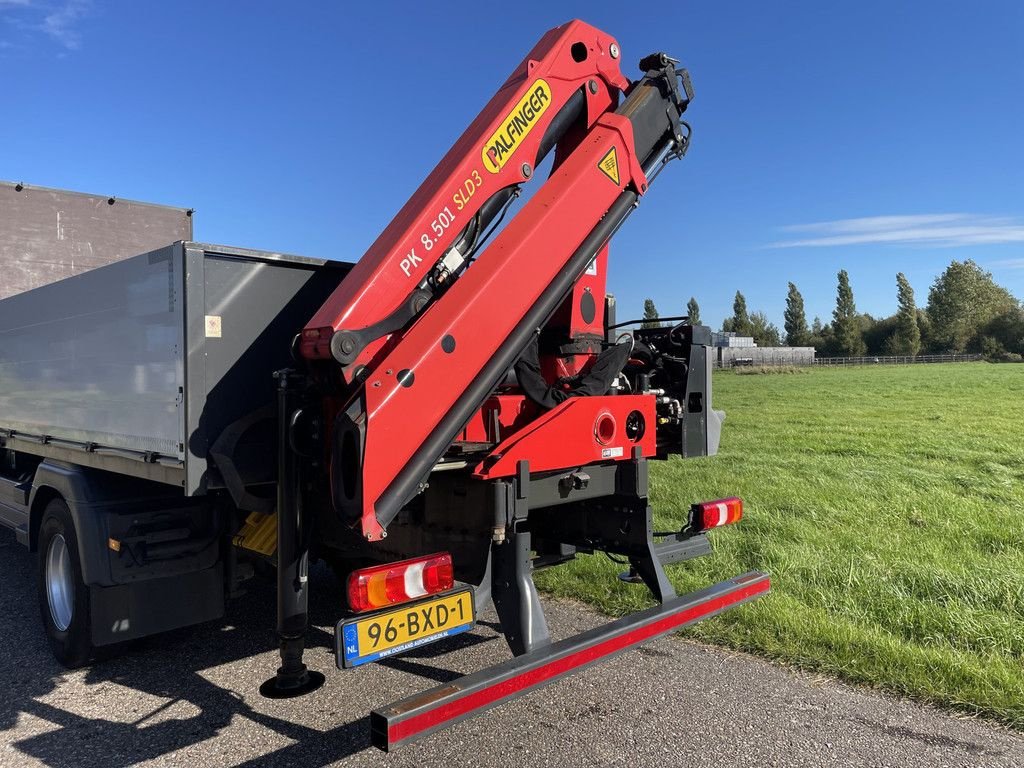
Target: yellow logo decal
{"x": 609, "y": 166}
{"x": 516, "y": 127}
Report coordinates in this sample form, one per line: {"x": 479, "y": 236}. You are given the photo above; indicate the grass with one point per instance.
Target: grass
{"x": 888, "y": 505}
{"x": 771, "y": 370}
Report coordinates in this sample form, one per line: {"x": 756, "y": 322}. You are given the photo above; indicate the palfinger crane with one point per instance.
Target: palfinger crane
{"x": 438, "y": 421}
{"x": 474, "y": 393}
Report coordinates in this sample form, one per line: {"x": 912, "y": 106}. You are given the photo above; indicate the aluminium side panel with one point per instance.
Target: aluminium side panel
{"x": 97, "y": 359}
{"x": 243, "y": 310}
{"x": 141, "y": 366}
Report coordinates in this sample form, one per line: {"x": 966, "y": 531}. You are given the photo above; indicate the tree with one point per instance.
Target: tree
{"x": 650, "y": 315}
{"x": 846, "y": 323}
{"x": 906, "y": 337}
{"x": 1002, "y": 337}
{"x": 963, "y": 300}
{"x": 878, "y": 335}
{"x": 925, "y": 326}
{"x": 828, "y": 346}
{"x": 797, "y": 333}
{"x": 755, "y": 325}
{"x": 739, "y": 323}
{"x": 819, "y": 335}
{"x": 693, "y": 311}
{"x": 765, "y": 333}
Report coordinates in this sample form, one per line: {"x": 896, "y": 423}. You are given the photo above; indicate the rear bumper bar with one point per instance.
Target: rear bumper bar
{"x": 447, "y": 704}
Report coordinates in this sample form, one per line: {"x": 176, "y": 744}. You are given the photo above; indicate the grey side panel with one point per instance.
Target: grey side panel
{"x": 50, "y": 234}
{"x": 13, "y": 516}
{"x": 702, "y": 426}
{"x": 98, "y": 358}
{"x": 195, "y": 368}
{"x": 242, "y": 313}
{"x": 169, "y": 471}
{"x": 139, "y": 367}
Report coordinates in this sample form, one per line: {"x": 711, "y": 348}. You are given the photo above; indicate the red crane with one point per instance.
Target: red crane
{"x": 481, "y": 412}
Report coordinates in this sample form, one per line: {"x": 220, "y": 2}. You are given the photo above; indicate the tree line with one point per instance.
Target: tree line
{"x": 967, "y": 311}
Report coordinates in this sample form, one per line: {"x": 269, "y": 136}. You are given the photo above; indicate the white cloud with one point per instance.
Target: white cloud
{"x": 62, "y": 23}
{"x": 1007, "y": 264}
{"x": 28, "y": 19}
{"x": 10, "y": 11}
{"x": 938, "y": 229}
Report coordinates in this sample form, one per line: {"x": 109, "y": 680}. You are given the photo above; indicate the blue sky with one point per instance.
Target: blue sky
{"x": 875, "y": 137}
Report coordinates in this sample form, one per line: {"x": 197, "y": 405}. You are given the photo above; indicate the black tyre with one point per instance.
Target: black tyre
{"x": 63, "y": 596}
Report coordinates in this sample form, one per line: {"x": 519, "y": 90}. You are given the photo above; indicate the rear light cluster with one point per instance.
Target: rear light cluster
{"x": 393, "y": 583}
{"x": 715, "y": 514}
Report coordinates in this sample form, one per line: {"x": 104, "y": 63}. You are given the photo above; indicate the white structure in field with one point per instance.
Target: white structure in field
{"x": 732, "y": 350}
{"x": 730, "y": 339}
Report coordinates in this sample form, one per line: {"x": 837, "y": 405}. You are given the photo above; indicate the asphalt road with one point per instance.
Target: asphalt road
{"x": 190, "y": 699}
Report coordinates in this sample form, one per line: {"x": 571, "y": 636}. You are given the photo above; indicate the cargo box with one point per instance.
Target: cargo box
{"x": 139, "y": 366}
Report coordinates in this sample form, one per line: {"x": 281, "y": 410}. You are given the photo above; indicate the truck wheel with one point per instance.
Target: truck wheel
{"x": 63, "y": 596}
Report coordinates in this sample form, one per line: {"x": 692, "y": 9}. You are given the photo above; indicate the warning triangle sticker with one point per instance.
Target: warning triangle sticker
{"x": 609, "y": 166}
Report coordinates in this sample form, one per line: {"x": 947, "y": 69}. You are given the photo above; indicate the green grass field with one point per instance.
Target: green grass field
{"x": 888, "y": 505}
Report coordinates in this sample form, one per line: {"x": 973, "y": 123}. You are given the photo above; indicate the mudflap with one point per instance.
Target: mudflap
{"x": 437, "y": 708}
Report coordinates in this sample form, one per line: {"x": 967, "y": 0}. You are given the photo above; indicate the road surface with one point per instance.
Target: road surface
{"x": 190, "y": 698}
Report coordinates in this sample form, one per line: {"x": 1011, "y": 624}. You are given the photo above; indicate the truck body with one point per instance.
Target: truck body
{"x": 146, "y": 361}
{"x": 454, "y": 411}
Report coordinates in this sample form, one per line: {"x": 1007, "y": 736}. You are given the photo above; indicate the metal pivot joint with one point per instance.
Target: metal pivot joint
{"x": 293, "y": 678}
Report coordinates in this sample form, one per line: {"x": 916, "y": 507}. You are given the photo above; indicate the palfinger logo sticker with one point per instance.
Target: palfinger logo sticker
{"x": 516, "y": 126}
{"x": 609, "y": 166}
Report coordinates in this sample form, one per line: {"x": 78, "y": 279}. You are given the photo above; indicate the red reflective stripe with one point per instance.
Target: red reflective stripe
{"x": 412, "y": 726}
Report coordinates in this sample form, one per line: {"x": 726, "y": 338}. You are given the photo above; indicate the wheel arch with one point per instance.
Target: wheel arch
{"x": 79, "y": 489}
{"x": 42, "y": 495}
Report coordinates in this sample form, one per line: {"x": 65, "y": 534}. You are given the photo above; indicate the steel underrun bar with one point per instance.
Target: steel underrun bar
{"x": 426, "y": 712}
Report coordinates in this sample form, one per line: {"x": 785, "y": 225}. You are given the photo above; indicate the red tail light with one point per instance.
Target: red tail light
{"x": 393, "y": 583}
{"x": 714, "y": 514}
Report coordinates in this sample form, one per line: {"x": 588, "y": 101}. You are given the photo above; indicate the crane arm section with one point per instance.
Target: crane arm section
{"x": 571, "y": 75}
{"x": 424, "y": 385}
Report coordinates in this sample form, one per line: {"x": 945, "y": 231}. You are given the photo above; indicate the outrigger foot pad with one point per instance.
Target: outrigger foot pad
{"x": 291, "y": 685}
{"x": 293, "y": 678}
{"x": 631, "y": 577}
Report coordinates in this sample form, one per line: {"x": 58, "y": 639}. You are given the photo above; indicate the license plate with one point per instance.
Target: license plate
{"x": 371, "y": 638}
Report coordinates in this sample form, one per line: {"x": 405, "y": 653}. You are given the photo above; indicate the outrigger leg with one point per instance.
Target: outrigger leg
{"x": 510, "y": 567}
{"x": 515, "y": 595}
{"x": 293, "y": 678}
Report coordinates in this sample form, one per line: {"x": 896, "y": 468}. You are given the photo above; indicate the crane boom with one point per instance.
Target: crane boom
{"x": 571, "y": 74}
{"x": 419, "y": 377}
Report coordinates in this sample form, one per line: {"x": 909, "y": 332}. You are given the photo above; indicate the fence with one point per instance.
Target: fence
{"x": 897, "y": 360}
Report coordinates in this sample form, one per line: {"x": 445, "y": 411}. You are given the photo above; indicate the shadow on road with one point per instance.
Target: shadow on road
{"x": 169, "y": 667}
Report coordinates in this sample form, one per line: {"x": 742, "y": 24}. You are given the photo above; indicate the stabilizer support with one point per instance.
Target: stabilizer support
{"x": 293, "y": 678}
{"x": 515, "y": 595}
